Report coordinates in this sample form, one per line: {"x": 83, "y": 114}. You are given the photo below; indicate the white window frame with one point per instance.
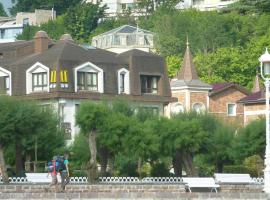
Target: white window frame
{"x": 234, "y": 109}
{"x": 173, "y": 106}
{"x": 3, "y": 73}
{"x": 37, "y": 67}
{"x": 203, "y": 107}
{"x": 126, "y": 80}
{"x": 89, "y": 67}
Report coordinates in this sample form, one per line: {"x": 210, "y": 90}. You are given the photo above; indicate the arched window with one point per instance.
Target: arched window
{"x": 176, "y": 108}
{"x": 198, "y": 107}
{"x": 89, "y": 77}
{"x": 5, "y": 81}
{"x": 123, "y": 81}
{"x": 37, "y": 78}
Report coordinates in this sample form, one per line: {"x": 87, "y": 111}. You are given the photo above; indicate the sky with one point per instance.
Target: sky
{"x": 7, "y": 4}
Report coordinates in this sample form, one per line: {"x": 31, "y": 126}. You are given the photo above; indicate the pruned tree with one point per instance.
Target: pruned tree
{"x": 90, "y": 118}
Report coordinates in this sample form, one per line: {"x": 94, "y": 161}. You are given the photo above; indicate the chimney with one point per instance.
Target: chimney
{"x": 41, "y": 41}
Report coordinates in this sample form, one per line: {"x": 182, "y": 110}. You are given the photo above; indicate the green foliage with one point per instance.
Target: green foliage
{"x": 80, "y": 152}
{"x": 256, "y": 164}
{"x": 82, "y": 19}
{"x": 249, "y": 141}
{"x": 2, "y": 11}
{"x": 249, "y": 6}
{"x": 173, "y": 65}
{"x": 160, "y": 170}
{"x": 60, "y": 6}
{"x": 54, "y": 28}
{"x": 23, "y": 122}
{"x": 90, "y": 116}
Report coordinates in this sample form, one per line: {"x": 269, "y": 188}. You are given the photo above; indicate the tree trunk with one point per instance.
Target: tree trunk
{"x": 219, "y": 167}
{"x": 104, "y": 155}
{"x": 140, "y": 167}
{"x": 92, "y": 165}
{"x": 177, "y": 163}
{"x": 19, "y": 159}
{"x": 3, "y": 168}
{"x": 189, "y": 166}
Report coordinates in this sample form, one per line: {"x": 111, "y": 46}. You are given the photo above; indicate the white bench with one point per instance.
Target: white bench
{"x": 40, "y": 177}
{"x": 233, "y": 178}
{"x": 200, "y": 182}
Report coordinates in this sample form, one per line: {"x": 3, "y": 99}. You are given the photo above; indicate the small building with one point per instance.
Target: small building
{"x": 116, "y": 7}
{"x": 223, "y": 102}
{"x": 125, "y": 38}
{"x": 204, "y": 5}
{"x": 254, "y": 104}
{"x": 191, "y": 92}
{"x": 220, "y": 99}
{"x": 35, "y": 18}
{"x": 62, "y": 74}
{"x": 9, "y": 29}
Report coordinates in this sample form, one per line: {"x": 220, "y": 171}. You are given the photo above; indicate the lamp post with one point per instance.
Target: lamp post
{"x": 265, "y": 73}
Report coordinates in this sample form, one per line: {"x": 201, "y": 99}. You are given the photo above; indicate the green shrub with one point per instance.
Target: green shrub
{"x": 160, "y": 170}
{"x": 240, "y": 169}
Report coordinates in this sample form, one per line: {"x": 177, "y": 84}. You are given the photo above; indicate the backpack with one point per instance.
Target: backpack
{"x": 50, "y": 166}
{"x": 59, "y": 164}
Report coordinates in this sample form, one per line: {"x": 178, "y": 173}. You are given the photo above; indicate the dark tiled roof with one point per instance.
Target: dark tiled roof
{"x": 219, "y": 87}
{"x": 187, "y": 75}
{"x": 256, "y": 84}
{"x": 187, "y": 71}
{"x": 192, "y": 83}
{"x": 256, "y": 97}
{"x": 14, "y": 45}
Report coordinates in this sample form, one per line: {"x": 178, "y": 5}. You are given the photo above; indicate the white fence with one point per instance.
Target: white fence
{"x": 156, "y": 180}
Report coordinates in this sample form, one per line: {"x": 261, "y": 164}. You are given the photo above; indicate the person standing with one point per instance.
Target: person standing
{"x": 53, "y": 171}
{"x": 65, "y": 173}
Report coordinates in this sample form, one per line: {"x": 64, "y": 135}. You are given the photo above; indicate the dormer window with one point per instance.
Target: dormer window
{"x": 37, "y": 78}
{"x": 123, "y": 81}
{"x": 40, "y": 81}
{"x": 5, "y": 81}
{"x": 89, "y": 77}
{"x": 87, "y": 81}
{"x": 149, "y": 84}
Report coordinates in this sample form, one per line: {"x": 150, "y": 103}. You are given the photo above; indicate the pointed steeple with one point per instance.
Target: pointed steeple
{"x": 187, "y": 71}
{"x": 256, "y": 84}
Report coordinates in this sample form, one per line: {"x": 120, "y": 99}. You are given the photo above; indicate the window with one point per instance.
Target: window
{"x": 116, "y": 40}
{"x": 176, "y": 108}
{"x": 89, "y": 77}
{"x": 39, "y": 81}
{"x": 149, "y": 84}
{"x": 151, "y": 110}
{"x": 198, "y": 107}
{"x": 25, "y": 21}
{"x": 5, "y": 81}
{"x": 66, "y": 128}
{"x": 231, "y": 109}
{"x": 122, "y": 83}
{"x": 37, "y": 78}
{"x": 87, "y": 81}
{"x": 4, "y": 84}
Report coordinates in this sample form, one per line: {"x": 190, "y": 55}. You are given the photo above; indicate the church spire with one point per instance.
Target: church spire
{"x": 187, "y": 71}
{"x": 256, "y": 84}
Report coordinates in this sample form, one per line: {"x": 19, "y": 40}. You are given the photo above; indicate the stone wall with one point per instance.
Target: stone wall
{"x": 128, "y": 191}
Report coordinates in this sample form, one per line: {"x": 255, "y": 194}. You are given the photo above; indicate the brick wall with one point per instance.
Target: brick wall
{"x": 180, "y": 96}
{"x": 129, "y": 191}
{"x": 198, "y": 97}
{"x": 218, "y": 105}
